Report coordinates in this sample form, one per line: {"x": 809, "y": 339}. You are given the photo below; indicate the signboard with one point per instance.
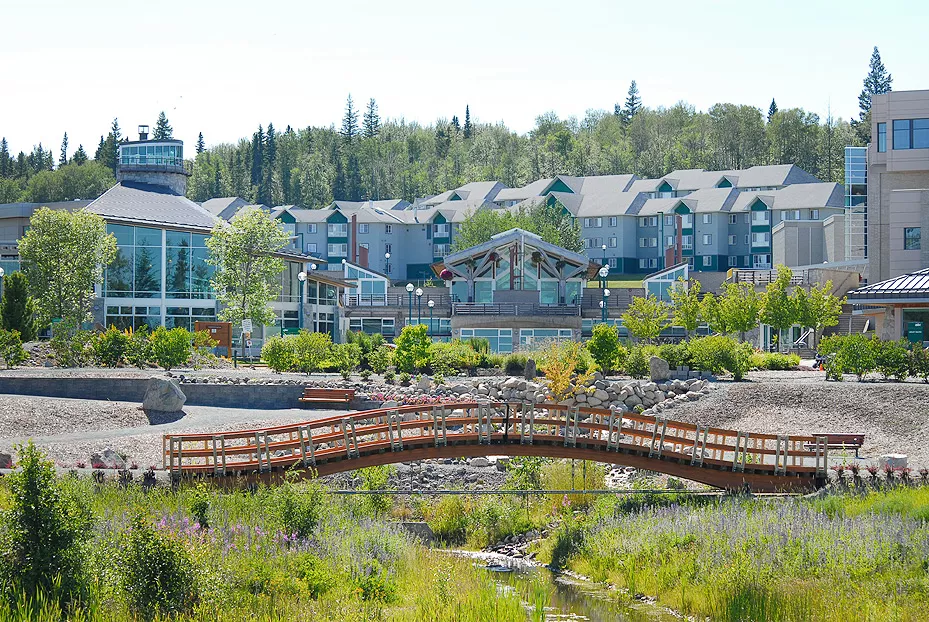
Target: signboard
{"x": 914, "y": 332}
{"x": 248, "y": 343}
{"x": 246, "y": 326}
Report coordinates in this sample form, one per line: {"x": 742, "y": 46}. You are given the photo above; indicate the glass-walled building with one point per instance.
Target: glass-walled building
{"x": 856, "y": 203}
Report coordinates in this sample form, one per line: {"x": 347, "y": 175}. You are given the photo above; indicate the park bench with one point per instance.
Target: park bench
{"x": 327, "y": 396}
{"x": 841, "y": 441}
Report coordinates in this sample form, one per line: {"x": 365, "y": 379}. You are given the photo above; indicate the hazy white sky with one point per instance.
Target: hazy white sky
{"x": 223, "y": 67}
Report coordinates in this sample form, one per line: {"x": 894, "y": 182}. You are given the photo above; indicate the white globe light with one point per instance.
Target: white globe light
{"x": 604, "y": 272}
{"x": 313, "y": 266}
{"x": 606, "y": 292}
{"x": 601, "y": 304}
{"x": 386, "y": 255}
{"x": 409, "y": 287}
{"x": 419, "y": 291}
{"x": 431, "y": 303}
{"x": 302, "y": 276}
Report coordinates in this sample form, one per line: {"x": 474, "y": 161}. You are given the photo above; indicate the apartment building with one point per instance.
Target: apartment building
{"x": 898, "y": 184}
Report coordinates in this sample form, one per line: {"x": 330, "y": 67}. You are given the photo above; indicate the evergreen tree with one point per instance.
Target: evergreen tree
{"x": 354, "y": 178}
{"x": 349, "y": 121}
{"x": 200, "y": 145}
{"x": 633, "y": 102}
{"x": 17, "y": 308}
{"x": 98, "y": 154}
{"x": 468, "y": 129}
{"x": 270, "y": 155}
{"x": 80, "y": 156}
{"x": 22, "y": 166}
{"x": 339, "y": 182}
{"x": 456, "y": 124}
{"x": 163, "y": 130}
{"x": 772, "y": 110}
{"x": 115, "y": 131}
{"x": 372, "y": 122}
{"x": 63, "y": 158}
{"x": 6, "y": 163}
{"x": 877, "y": 82}
{"x": 258, "y": 142}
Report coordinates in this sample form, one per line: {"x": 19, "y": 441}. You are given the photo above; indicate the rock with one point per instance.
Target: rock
{"x": 581, "y": 397}
{"x": 163, "y": 395}
{"x": 389, "y": 404}
{"x": 593, "y": 401}
{"x": 632, "y": 401}
{"x": 458, "y": 389}
{"x": 693, "y": 396}
{"x": 479, "y": 462}
{"x": 530, "y": 371}
{"x": 6, "y": 461}
{"x": 601, "y": 395}
{"x": 109, "y": 459}
{"x": 658, "y": 369}
{"x": 894, "y": 461}
{"x": 425, "y": 384}
{"x": 482, "y": 389}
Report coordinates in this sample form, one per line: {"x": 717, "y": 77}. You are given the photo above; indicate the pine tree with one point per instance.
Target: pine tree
{"x": 270, "y": 154}
{"x": 772, "y": 110}
{"x": 80, "y": 156}
{"x": 200, "y": 146}
{"x": 372, "y": 122}
{"x": 22, "y": 166}
{"x": 258, "y": 142}
{"x": 6, "y": 163}
{"x": 163, "y": 130}
{"x": 354, "y": 178}
{"x": 456, "y": 124}
{"x": 468, "y": 129}
{"x": 338, "y": 179}
{"x": 877, "y": 82}
{"x": 349, "y": 121}
{"x": 115, "y": 131}
{"x": 17, "y": 308}
{"x": 98, "y": 154}
{"x": 63, "y": 158}
{"x": 633, "y": 102}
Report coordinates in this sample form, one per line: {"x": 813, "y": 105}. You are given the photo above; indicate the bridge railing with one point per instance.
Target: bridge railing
{"x": 356, "y": 435}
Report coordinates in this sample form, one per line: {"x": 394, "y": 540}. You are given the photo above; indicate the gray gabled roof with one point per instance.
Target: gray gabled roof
{"x": 147, "y": 204}
{"x": 224, "y": 207}
{"x": 903, "y": 288}
{"x": 515, "y": 234}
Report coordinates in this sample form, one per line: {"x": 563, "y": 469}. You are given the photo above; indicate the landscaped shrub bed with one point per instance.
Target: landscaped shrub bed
{"x": 861, "y": 355}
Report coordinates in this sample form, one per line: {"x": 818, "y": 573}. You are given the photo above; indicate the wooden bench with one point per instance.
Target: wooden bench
{"x": 841, "y": 441}
{"x": 328, "y": 396}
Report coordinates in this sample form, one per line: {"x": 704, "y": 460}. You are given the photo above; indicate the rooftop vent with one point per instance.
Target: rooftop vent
{"x": 143, "y": 132}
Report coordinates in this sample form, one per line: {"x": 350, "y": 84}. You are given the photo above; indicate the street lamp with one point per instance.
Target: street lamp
{"x": 302, "y": 278}
{"x": 409, "y": 294}
{"x": 419, "y": 305}
{"x": 604, "y": 272}
{"x": 431, "y": 305}
{"x": 604, "y": 302}
{"x": 314, "y": 267}
{"x": 1, "y": 281}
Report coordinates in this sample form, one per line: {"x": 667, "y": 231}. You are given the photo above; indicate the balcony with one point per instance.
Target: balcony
{"x": 514, "y": 308}
{"x": 392, "y": 300}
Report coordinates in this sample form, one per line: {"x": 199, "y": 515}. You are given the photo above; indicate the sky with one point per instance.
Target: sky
{"x": 224, "y": 67}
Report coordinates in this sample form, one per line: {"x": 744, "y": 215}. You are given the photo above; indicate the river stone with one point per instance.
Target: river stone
{"x": 479, "y": 462}
{"x": 530, "y": 371}
{"x": 581, "y": 397}
{"x": 658, "y": 369}
{"x": 894, "y": 461}
{"x": 6, "y": 461}
{"x": 593, "y": 401}
{"x": 601, "y": 395}
{"x": 109, "y": 459}
{"x": 424, "y": 384}
{"x": 458, "y": 389}
{"x": 163, "y": 395}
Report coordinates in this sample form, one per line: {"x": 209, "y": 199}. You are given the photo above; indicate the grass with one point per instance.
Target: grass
{"x": 762, "y": 559}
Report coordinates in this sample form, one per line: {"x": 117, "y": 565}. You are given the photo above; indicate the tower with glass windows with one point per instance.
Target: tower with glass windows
{"x": 155, "y": 162}
{"x": 856, "y": 203}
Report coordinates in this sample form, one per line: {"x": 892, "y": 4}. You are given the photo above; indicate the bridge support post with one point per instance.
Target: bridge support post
{"x": 307, "y": 443}
{"x": 570, "y": 429}
{"x": 699, "y": 445}
{"x": 653, "y": 451}
{"x": 393, "y": 424}
{"x": 351, "y": 445}
{"x": 614, "y": 431}
{"x": 483, "y": 425}
{"x": 527, "y": 412}
{"x": 780, "y": 454}
{"x": 438, "y": 415}
{"x": 822, "y": 456}
{"x": 740, "y": 453}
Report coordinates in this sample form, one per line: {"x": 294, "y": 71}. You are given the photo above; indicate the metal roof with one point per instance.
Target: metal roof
{"x": 912, "y": 286}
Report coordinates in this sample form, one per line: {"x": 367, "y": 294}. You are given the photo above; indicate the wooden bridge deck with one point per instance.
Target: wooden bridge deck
{"x": 722, "y": 458}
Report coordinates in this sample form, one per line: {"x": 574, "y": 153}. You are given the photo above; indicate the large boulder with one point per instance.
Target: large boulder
{"x": 163, "y": 395}
{"x": 109, "y": 459}
{"x": 530, "y": 371}
{"x": 658, "y": 369}
{"x": 6, "y": 461}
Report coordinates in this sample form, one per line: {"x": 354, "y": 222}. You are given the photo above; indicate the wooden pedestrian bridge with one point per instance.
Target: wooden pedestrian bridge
{"x": 726, "y": 459}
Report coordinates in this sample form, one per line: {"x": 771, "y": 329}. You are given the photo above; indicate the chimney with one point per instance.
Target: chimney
{"x": 143, "y": 132}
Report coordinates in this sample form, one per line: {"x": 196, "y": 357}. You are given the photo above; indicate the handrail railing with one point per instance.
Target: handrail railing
{"x": 393, "y": 300}
{"x": 343, "y": 442}
{"x": 513, "y": 308}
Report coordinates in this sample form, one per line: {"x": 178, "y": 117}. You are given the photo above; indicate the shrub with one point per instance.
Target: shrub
{"x": 479, "y": 345}
{"x": 375, "y": 584}
{"x": 405, "y": 378}
{"x": 390, "y": 374}
{"x": 718, "y": 353}
{"x": 854, "y": 354}
{"x": 676, "y": 354}
{"x": 451, "y": 358}
{"x": 774, "y": 361}
{"x": 637, "y": 361}
{"x": 17, "y": 308}
{"x": 891, "y": 358}
{"x": 365, "y": 374}
{"x": 412, "y": 353}
{"x": 379, "y": 359}
{"x": 919, "y": 362}
{"x": 203, "y": 342}
{"x": 72, "y": 346}
{"x": 138, "y": 347}
{"x": 278, "y": 353}
{"x": 199, "y": 505}
{"x": 310, "y": 350}
{"x": 156, "y": 571}
{"x": 448, "y": 519}
{"x": 11, "y": 348}
{"x": 110, "y": 347}
{"x": 316, "y": 574}
{"x": 559, "y": 363}
{"x": 44, "y": 529}
{"x": 299, "y": 508}
{"x": 604, "y": 346}
{"x": 346, "y": 357}
{"x": 515, "y": 364}
{"x": 170, "y": 347}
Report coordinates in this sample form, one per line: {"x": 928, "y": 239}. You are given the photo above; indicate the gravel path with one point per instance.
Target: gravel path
{"x": 893, "y": 416}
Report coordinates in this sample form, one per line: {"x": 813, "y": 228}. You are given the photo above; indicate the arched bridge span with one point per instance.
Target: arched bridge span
{"x": 727, "y": 459}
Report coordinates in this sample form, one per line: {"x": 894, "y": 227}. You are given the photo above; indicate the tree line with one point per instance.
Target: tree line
{"x": 366, "y": 157}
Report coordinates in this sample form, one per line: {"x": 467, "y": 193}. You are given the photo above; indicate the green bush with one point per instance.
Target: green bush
{"x": 317, "y": 574}
{"x": 390, "y": 374}
{"x": 774, "y": 361}
{"x": 139, "y": 348}
{"x": 480, "y": 345}
{"x": 72, "y": 346}
{"x": 854, "y": 354}
{"x": 110, "y": 347}
{"x": 170, "y": 347}
{"x": 278, "y": 353}
{"x": 199, "y": 505}
{"x": 891, "y": 358}
{"x": 448, "y": 519}
{"x": 718, "y": 353}
{"x": 919, "y": 362}
{"x": 11, "y": 348}
{"x": 346, "y": 357}
{"x": 310, "y": 350}
{"x": 299, "y": 508}
{"x": 412, "y": 353}
{"x": 676, "y": 354}
{"x": 604, "y": 347}
{"x": 452, "y": 358}
{"x": 637, "y": 361}
{"x": 515, "y": 364}
{"x": 380, "y": 358}
{"x": 156, "y": 571}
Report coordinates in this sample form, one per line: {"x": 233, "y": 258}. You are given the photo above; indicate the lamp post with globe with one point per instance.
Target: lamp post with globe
{"x": 409, "y": 294}
{"x": 605, "y": 302}
{"x": 419, "y": 305}
{"x": 431, "y": 305}
{"x": 302, "y": 278}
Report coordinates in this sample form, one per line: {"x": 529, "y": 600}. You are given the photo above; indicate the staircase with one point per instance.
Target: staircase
{"x": 849, "y": 324}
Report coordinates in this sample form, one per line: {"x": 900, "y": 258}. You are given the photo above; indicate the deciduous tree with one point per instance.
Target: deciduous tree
{"x": 779, "y": 310}
{"x": 685, "y": 303}
{"x": 646, "y": 317}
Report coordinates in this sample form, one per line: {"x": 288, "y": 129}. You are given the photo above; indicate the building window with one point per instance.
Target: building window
{"x": 593, "y": 222}
{"x": 747, "y": 239}
{"x": 613, "y": 221}
{"x": 762, "y": 262}
{"x": 687, "y": 221}
{"x": 500, "y": 339}
{"x": 732, "y": 240}
{"x": 669, "y": 221}
{"x": 687, "y": 242}
{"x": 388, "y": 248}
{"x": 311, "y": 248}
{"x": 911, "y": 238}
{"x": 733, "y": 261}
{"x": 611, "y": 262}
{"x": 643, "y": 242}
{"x": 760, "y": 239}
{"x": 388, "y": 229}
{"x": 882, "y": 137}
{"x": 707, "y": 261}
{"x": 911, "y": 133}
{"x": 669, "y": 241}
{"x": 440, "y": 250}
{"x": 388, "y": 268}
{"x": 338, "y": 250}
{"x": 902, "y": 134}
{"x": 746, "y": 260}
{"x": 363, "y": 227}
{"x": 440, "y": 230}
{"x": 648, "y": 221}
{"x": 650, "y": 262}
{"x": 613, "y": 242}
{"x": 707, "y": 219}
{"x": 311, "y": 228}
{"x": 814, "y": 214}
{"x": 761, "y": 217}
{"x": 338, "y": 229}
{"x": 707, "y": 239}
{"x": 733, "y": 219}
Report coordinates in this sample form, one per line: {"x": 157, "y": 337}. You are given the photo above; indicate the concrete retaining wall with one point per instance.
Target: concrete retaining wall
{"x": 268, "y": 396}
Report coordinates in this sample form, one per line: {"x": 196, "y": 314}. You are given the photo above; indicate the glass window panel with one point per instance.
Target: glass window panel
{"x": 920, "y": 133}
{"x": 483, "y": 292}
{"x": 147, "y": 272}
{"x": 882, "y": 137}
{"x": 177, "y": 272}
{"x": 119, "y": 273}
{"x": 200, "y": 273}
{"x": 147, "y": 237}
{"x": 177, "y": 238}
{"x": 901, "y": 134}
{"x": 572, "y": 292}
{"x": 123, "y": 234}
{"x": 203, "y": 311}
{"x": 198, "y": 240}
{"x": 549, "y": 295}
